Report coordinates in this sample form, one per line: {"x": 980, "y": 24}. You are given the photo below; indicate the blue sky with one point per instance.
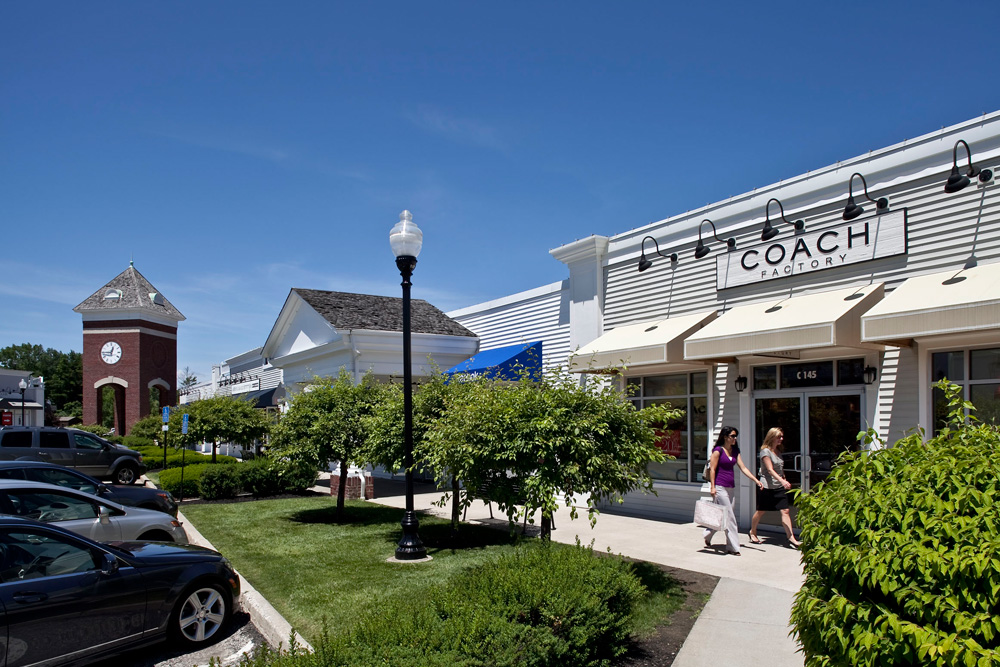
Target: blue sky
{"x": 238, "y": 149}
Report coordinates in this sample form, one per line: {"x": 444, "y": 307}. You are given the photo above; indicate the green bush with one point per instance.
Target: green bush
{"x": 134, "y": 442}
{"x": 220, "y": 481}
{"x": 902, "y": 553}
{"x": 152, "y": 456}
{"x": 536, "y": 607}
{"x": 171, "y": 480}
{"x": 262, "y": 477}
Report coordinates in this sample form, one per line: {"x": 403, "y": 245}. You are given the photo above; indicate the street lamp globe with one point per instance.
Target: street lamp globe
{"x": 405, "y": 238}
{"x": 23, "y": 386}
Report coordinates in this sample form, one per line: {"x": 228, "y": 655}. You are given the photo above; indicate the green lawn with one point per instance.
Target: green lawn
{"x": 311, "y": 568}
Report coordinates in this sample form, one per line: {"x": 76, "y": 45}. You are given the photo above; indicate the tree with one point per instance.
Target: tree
{"x": 63, "y": 372}
{"x": 326, "y": 422}
{"x": 528, "y": 442}
{"x": 188, "y": 379}
{"x": 222, "y": 419}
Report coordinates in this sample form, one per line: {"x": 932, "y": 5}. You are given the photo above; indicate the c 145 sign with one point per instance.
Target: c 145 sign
{"x": 851, "y": 242}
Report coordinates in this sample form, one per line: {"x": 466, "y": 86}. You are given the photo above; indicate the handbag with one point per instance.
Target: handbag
{"x": 709, "y": 515}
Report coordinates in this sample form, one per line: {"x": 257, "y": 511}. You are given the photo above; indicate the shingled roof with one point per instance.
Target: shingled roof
{"x": 134, "y": 292}
{"x": 379, "y": 313}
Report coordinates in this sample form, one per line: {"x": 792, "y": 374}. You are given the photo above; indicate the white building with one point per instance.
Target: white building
{"x": 822, "y": 328}
{"x": 13, "y": 410}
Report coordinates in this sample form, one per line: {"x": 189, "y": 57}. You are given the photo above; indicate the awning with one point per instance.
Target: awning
{"x": 940, "y": 303}
{"x": 504, "y": 363}
{"x": 825, "y": 319}
{"x": 656, "y": 342}
{"x": 265, "y": 398}
{"x": 28, "y": 405}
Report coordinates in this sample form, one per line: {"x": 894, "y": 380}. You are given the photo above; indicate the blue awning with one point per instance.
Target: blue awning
{"x": 504, "y": 363}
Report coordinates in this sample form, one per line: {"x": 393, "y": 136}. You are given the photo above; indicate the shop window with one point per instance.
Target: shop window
{"x": 978, "y": 373}
{"x": 685, "y": 439}
{"x": 804, "y": 375}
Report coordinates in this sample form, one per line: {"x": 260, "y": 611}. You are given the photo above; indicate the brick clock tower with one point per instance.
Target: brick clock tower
{"x": 129, "y": 347}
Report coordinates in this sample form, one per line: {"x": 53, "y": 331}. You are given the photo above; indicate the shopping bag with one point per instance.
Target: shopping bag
{"x": 709, "y": 515}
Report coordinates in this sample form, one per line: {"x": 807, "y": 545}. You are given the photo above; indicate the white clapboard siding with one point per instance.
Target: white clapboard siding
{"x": 539, "y": 314}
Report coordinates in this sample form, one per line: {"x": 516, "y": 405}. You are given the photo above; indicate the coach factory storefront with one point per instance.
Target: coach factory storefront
{"x": 825, "y": 304}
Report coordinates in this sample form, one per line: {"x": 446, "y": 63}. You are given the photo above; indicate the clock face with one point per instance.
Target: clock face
{"x": 111, "y": 352}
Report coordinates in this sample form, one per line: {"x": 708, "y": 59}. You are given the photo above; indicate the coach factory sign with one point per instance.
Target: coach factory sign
{"x": 848, "y": 243}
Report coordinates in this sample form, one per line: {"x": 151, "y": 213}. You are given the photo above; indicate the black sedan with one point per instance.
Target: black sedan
{"x": 132, "y": 495}
{"x": 67, "y": 600}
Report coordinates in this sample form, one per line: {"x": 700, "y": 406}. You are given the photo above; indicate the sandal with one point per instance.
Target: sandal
{"x": 754, "y": 538}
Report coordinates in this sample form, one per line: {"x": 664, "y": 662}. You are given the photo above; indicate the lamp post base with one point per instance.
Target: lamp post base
{"x": 410, "y": 547}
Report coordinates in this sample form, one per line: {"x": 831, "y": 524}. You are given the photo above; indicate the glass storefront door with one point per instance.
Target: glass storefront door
{"x": 818, "y": 427}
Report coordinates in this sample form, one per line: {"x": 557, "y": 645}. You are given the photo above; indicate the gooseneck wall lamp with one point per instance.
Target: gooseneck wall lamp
{"x": 406, "y": 240}
{"x": 770, "y": 232}
{"x": 956, "y": 181}
{"x": 852, "y": 210}
{"x": 701, "y": 249}
{"x": 645, "y": 263}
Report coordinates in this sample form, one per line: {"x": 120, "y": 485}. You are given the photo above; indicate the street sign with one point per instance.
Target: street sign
{"x": 184, "y": 424}
{"x": 6, "y": 418}
{"x": 166, "y": 414}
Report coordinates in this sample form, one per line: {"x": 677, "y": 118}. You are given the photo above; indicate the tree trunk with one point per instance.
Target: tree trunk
{"x": 215, "y": 448}
{"x": 342, "y": 491}
{"x": 546, "y": 532}
{"x": 456, "y": 489}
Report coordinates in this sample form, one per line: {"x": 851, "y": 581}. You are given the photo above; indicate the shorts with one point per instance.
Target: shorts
{"x": 770, "y": 500}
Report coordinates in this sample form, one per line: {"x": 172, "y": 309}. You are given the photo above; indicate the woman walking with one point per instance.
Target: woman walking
{"x": 772, "y": 494}
{"x": 721, "y": 475}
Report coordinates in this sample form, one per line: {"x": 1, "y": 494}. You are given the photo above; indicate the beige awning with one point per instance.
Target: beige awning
{"x": 941, "y": 303}
{"x": 824, "y": 319}
{"x": 656, "y": 342}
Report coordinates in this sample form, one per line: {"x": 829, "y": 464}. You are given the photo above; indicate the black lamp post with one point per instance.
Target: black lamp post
{"x": 406, "y": 240}
{"x": 23, "y": 386}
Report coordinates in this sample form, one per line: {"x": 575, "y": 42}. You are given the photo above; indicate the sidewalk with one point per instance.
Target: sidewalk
{"x": 749, "y": 608}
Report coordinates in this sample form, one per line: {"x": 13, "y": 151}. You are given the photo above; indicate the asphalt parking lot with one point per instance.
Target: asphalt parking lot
{"x": 241, "y": 638}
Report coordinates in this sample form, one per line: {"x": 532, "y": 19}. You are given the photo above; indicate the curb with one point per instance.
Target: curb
{"x": 271, "y": 624}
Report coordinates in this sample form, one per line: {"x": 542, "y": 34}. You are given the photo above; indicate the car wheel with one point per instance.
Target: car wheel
{"x": 155, "y": 536}
{"x": 126, "y": 473}
{"x": 201, "y": 613}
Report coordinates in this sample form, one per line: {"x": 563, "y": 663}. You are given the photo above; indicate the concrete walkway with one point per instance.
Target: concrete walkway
{"x": 749, "y": 609}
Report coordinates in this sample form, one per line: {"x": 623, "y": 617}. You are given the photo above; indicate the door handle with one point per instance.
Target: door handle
{"x": 797, "y": 463}
{"x": 29, "y": 597}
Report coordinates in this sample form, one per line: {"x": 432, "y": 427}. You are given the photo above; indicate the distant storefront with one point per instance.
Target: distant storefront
{"x": 788, "y": 306}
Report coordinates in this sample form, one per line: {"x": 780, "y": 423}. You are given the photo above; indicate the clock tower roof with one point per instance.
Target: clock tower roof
{"x": 129, "y": 294}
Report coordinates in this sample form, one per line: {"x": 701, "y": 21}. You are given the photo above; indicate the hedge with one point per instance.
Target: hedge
{"x": 152, "y": 457}
{"x": 901, "y": 552}
{"x": 542, "y": 605}
{"x": 260, "y": 477}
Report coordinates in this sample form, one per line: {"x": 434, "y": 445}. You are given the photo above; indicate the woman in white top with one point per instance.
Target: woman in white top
{"x": 772, "y": 495}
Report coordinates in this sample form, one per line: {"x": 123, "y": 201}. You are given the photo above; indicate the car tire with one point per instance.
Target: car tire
{"x": 201, "y": 614}
{"x": 126, "y": 473}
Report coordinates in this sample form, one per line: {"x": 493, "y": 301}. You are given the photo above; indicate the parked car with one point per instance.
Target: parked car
{"x": 84, "y": 514}
{"x": 72, "y": 448}
{"x": 70, "y": 600}
{"x": 134, "y": 495}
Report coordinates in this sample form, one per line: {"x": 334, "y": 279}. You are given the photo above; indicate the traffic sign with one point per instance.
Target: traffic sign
{"x": 184, "y": 423}
{"x": 166, "y": 414}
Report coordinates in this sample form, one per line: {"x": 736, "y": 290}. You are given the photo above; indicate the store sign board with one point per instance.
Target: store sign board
{"x": 244, "y": 387}
{"x": 853, "y": 242}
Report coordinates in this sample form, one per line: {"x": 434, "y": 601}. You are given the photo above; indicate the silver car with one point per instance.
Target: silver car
{"x": 96, "y": 518}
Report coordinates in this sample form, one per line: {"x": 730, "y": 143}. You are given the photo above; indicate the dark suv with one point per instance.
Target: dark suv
{"x": 72, "y": 448}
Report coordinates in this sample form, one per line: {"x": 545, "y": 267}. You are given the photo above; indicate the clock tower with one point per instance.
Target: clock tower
{"x": 129, "y": 347}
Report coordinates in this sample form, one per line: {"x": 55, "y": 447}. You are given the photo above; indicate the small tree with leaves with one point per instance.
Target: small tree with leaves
{"x": 222, "y": 419}
{"x": 326, "y": 422}
{"x": 530, "y": 442}
{"x": 901, "y": 551}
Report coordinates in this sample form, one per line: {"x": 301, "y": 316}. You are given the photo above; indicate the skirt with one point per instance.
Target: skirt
{"x": 770, "y": 500}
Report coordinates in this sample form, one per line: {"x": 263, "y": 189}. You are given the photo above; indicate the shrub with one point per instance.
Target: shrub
{"x": 262, "y": 477}
{"x": 902, "y": 552}
{"x": 136, "y": 441}
{"x": 152, "y": 456}
{"x": 171, "y": 480}
{"x": 539, "y": 606}
{"x": 220, "y": 481}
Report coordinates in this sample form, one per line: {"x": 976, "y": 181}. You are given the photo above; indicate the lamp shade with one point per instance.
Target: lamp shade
{"x": 22, "y": 385}
{"x": 406, "y": 238}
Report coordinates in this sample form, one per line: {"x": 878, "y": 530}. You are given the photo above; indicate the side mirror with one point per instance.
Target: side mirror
{"x": 103, "y": 514}
{"x": 109, "y": 565}
{"x": 102, "y": 489}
